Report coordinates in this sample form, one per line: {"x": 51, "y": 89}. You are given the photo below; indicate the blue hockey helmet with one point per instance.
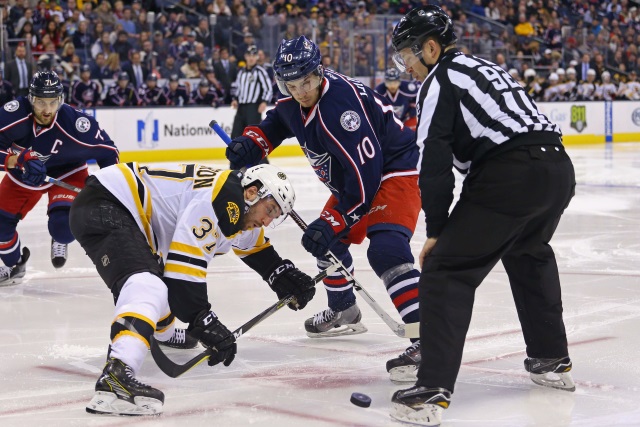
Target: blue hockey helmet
{"x": 45, "y": 84}
{"x": 392, "y": 75}
{"x": 295, "y": 60}
{"x": 123, "y": 76}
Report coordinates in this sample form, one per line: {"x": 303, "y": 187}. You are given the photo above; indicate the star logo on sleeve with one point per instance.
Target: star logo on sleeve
{"x": 355, "y": 217}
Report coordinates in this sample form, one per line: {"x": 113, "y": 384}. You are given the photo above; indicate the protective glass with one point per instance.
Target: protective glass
{"x": 406, "y": 59}
{"x": 49, "y": 104}
{"x": 300, "y": 87}
{"x": 274, "y": 211}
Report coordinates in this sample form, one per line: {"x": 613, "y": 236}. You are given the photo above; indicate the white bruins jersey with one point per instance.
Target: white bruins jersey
{"x": 188, "y": 215}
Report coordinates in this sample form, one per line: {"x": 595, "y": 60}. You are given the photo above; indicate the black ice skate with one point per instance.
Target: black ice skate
{"x": 58, "y": 253}
{"x": 180, "y": 339}
{"x": 119, "y": 393}
{"x": 420, "y": 405}
{"x": 13, "y": 275}
{"x": 329, "y": 323}
{"x": 552, "y": 373}
{"x": 403, "y": 369}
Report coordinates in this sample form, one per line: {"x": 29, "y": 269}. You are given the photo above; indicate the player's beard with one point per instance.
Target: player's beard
{"x": 43, "y": 120}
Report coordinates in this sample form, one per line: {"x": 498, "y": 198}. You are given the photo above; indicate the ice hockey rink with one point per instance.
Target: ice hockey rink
{"x": 55, "y": 330}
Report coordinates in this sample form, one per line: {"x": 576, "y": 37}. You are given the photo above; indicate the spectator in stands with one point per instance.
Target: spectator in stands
{"x": 203, "y": 35}
{"x": 583, "y": 67}
{"x": 226, "y": 71}
{"x": 524, "y": 27}
{"x": 82, "y": 41}
{"x": 191, "y": 69}
{"x": 220, "y": 8}
{"x": 103, "y": 12}
{"x": 102, "y": 45}
{"x": 501, "y": 61}
{"x": 136, "y": 70}
{"x": 122, "y": 46}
{"x": 19, "y": 71}
{"x": 27, "y": 33}
{"x": 169, "y": 67}
{"x": 477, "y": 8}
{"x": 545, "y": 60}
{"x": 112, "y": 65}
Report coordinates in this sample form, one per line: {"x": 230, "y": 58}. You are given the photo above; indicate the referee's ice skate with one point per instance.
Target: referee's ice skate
{"x": 420, "y": 405}
{"x": 329, "y": 323}
{"x": 402, "y": 369}
{"x": 554, "y": 373}
{"x": 118, "y": 392}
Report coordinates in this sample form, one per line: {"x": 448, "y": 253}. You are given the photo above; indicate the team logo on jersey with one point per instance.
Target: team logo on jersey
{"x": 234, "y": 212}
{"x": 11, "y": 106}
{"x": 321, "y": 164}
{"x": 411, "y": 86}
{"x": 578, "y": 117}
{"x": 635, "y": 117}
{"x": 83, "y": 124}
{"x": 350, "y": 120}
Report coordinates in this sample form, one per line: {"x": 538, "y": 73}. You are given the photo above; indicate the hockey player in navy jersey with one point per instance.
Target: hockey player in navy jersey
{"x": 401, "y": 94}
{"x": 205, "y": 95}
{"x": 177, "y": 93}
{"x": 151, "y": 94}
{"x": 122, "y": 93}
{"x": 367, "y": 158}
{"x": 40, "y": 136}
{"x": 155, "y": 262}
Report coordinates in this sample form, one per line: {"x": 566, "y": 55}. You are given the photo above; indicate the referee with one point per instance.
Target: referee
{"x": 474, "y": 116}
{"x": 253, "y": 87}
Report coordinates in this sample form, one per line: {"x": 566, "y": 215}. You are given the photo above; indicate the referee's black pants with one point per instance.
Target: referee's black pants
{"x": 508, "y": 210}
{"x": 246, "y": 115}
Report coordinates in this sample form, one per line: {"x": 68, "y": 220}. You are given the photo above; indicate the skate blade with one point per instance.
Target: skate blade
{"x": 426, "y": 415}
{"x": 11, "y": 282}
{"x": 404, "y": 374}
{"x": 562, "y": 381}
{"x": 105, "y": 403}
{"x": 350, "y": 329}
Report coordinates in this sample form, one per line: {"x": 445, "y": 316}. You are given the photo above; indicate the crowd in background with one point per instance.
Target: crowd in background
{"x": 558, "y": 49}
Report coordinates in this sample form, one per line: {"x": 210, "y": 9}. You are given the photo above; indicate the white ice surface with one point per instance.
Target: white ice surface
{"x": 55, "y": 331}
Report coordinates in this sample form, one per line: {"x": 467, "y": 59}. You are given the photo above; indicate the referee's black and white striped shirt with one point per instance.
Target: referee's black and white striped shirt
{"x": 253, "y": 86}
{"x": 466, "y": 107}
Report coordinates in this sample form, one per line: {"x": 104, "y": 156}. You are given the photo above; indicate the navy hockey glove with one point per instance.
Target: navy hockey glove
{"x": 287, "y": 280}
{"x": 214, "y": 335}
{"x": 248, "y": 149}
{"x": 324, "y": 232}
{"x": 34, "y": 172}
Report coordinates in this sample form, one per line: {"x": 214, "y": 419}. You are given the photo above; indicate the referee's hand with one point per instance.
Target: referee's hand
{"x": 234, "y": 104}
{"x": 426, "y": 249}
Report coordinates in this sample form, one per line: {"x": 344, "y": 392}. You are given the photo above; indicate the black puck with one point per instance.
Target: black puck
{"x": 361, "y": 400}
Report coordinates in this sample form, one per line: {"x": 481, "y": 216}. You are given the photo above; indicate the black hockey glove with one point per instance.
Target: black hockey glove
{"x": 242, "y": 151}
{"x": 286, "y": 280}
{"x": 34, "y": 172}
{"x": 214, "y": 335}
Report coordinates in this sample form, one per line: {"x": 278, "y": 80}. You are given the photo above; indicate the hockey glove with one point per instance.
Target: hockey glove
{"x": 214, "y": 335}
{"x": 324, "y": 232}
{"x": 34, "y": 172}
{"x": 286, "y": 280}
{"x": 242, "y": 152}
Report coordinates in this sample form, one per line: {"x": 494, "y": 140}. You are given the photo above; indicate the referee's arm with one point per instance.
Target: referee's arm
{"x": 267, "y": 91}
{"x": 435, "y": 138}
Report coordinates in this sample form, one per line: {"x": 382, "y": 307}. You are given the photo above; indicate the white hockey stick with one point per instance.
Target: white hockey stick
{"x": 62, "y": 184}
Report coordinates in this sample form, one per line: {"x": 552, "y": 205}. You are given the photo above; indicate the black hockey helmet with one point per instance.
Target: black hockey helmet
{"x": 123, "y": 76}
{"x": 392, "y": 75}
{"x": 204, "y": 83}
{"x": 45, "y": 84}
{"x": 85, "y": 68}
{"x": 419, "y": 24}
{"x": 152, "y": 77}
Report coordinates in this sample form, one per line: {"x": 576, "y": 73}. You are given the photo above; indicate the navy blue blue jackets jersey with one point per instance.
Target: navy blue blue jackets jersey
{"x": 179, "y": 97}
{"x": 153, "y": 96}
{"x": 85, "y": 95}
{"x": 6, "y": 92}
{"x": 351, "y": 138}
{"x": 403, "y": 101}
{"x": 210, "y": 98}
{"x": 65, "y": 146}
{"x": 127, "y": 97}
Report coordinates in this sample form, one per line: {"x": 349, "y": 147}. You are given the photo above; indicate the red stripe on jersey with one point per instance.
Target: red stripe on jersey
{"x": 10, "y": 243}
{"x": 335, "y": 282}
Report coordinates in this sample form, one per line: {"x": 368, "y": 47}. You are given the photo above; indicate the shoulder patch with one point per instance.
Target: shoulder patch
{"x": 229, "y": 206}
{"x": 411, "y": 86}
{"x": 234, "y": 212}
{"x": 83, "y": 124}
{"x": 11, "y": 106}
{"x": 350, "y": 120}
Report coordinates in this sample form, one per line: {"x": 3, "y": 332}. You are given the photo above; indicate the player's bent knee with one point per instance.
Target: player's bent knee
{"x": 59, "y": 227}
{"x": 388, "y": 249}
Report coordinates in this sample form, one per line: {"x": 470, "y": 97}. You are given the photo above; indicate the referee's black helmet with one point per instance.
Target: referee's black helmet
{"x": 419, "y": 24}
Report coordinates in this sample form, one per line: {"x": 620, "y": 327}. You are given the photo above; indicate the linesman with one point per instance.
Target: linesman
{"x": 476, "y": 117}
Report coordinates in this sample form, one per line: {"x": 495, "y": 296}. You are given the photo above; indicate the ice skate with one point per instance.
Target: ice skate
{"x": 180, "y": 339}
{"x": 403, "y": 369}
{"x": 329, "y": 323}
{"x": 13, "y": 275}
{"x": 118, "y": 392}
{"x": 552, "y": 373}
{"x": 58, "y": 253}
{"x": 420, "y": 405}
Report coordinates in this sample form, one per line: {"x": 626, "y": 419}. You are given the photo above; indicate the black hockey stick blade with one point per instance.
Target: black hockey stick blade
{"x": 174, "y": 370}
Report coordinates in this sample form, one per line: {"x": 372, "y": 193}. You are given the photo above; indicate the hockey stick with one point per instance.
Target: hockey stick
{"x": 411, "y": 330}
{"x": 62, "y": 184}
{"x": 174, "y": 369}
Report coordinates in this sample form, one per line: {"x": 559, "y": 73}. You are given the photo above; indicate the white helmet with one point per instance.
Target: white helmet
{"x": 560, "y": 72}
{"x": 553, "y": 77}
{"x": 514, "y": 73}
{"x": 274, "y": 183}
{"x": 606, "y": 75}
{"x": 529, "y": 72}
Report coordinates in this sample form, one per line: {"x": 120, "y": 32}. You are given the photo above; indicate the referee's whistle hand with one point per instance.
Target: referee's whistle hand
{"x": 426, "y": 249}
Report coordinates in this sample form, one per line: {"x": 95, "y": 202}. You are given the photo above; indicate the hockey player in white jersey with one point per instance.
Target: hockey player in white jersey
{"x": 151, "y": 234}
{"x": 552, "y": 93}
{"x": 607, "y": 89}
{"x": 631, "y": 88}
{"x": 587, "y": 88}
